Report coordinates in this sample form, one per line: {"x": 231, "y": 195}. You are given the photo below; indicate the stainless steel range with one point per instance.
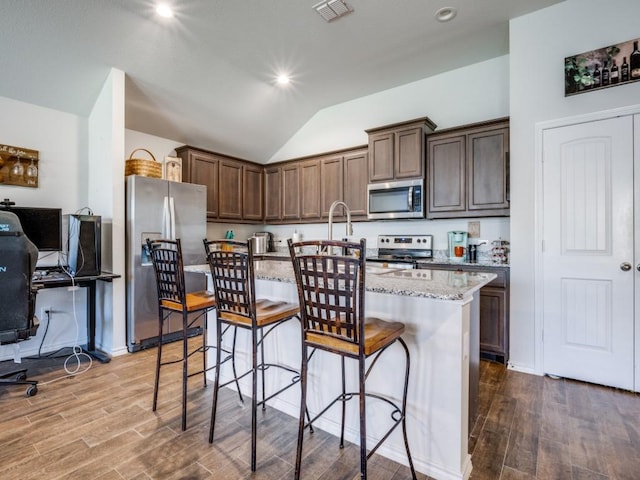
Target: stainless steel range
{"x": 403, "y": 251}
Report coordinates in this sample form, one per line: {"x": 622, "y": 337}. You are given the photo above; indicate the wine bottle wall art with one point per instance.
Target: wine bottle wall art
{"x": 602, "y": 68}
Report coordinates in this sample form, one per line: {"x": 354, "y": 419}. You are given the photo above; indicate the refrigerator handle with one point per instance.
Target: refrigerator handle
{"x": 166, "y": 220}
{"x": 172, "y": 212}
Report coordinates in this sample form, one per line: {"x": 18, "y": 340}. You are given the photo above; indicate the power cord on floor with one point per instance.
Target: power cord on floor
{"x": 77, "y": 355}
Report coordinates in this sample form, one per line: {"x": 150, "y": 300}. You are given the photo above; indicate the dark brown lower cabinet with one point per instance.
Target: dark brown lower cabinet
{"x": 494, "y": 309}
{"x": 494, "y": 331}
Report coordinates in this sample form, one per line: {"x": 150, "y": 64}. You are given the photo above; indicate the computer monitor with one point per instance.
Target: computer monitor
{"x": 43, "y": 226}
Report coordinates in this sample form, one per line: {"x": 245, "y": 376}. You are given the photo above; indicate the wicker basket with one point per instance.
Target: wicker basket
{"x": 141, "y": 166}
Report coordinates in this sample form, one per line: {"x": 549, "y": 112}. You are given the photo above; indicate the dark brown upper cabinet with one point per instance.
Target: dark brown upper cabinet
{"x": 202, "y": 168}
{"x": 468, "y": 171}
{"x": 397, "y": 151}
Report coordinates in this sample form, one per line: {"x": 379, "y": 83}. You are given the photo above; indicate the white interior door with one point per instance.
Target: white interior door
{"x": 588, "y": 326}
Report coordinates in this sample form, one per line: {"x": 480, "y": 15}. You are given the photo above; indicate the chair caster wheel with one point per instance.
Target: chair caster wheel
{"x": 21, "y": 376}
{"x": 32, "y": 390}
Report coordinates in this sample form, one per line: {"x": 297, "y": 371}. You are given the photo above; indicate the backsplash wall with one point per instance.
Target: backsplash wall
{"x": 490, "y": 229}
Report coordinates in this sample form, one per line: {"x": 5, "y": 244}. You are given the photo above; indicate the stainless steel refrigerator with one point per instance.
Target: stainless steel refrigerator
{"x": 160, "y": 209}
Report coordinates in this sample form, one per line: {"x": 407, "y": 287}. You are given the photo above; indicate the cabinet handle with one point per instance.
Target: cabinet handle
{"x": 625, "y": 266}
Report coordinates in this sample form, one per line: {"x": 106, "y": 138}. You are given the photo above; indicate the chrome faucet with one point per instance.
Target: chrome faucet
{"x": 349, "y": 227}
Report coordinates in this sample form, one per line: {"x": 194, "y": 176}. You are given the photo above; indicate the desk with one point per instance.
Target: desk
{"x": 61, "y": 279}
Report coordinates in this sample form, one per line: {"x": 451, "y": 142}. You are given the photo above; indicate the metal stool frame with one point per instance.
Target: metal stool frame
{"x": 232, "y": 270}
{"x": 331, "y": 292}
{"x": 166, "y": 256}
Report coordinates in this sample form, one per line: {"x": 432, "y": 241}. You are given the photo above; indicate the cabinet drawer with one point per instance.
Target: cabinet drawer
{"x": 501, "y": 281}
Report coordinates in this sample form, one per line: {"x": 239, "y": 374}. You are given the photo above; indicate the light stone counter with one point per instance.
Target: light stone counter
{"x": 440, "y": 310}
{"x": 438, "y": 284}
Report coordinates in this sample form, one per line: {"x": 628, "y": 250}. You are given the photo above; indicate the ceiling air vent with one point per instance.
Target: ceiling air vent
{"x": 332, "y": 9}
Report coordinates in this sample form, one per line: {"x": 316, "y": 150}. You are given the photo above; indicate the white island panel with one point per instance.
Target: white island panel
{"x": 438, "y": 334}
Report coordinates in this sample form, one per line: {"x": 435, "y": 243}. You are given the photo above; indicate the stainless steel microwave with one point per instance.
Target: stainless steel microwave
{"x": 401, "y": 199}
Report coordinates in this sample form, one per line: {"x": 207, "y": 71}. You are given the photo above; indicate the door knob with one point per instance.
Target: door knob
{"x": 626, "y": 266}
{"x": 638, "y": 267}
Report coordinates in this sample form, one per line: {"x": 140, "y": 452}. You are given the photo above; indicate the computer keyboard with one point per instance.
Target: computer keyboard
{"x": 49, "y": 276}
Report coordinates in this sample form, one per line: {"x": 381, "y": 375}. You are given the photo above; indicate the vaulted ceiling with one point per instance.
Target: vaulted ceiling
{"x": 206, "y": 77}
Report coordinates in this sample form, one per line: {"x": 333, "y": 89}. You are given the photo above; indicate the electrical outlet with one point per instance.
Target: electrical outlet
{"x": 43, "y": 312}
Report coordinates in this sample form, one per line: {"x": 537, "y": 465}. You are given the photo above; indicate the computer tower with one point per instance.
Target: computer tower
{"x": 84, "y": 245}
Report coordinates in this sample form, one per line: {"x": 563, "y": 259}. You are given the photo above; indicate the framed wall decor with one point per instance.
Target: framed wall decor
{"x": 602, "y": 68}
{"x": 18, "y": 166}
{"x": 172, "y": 169}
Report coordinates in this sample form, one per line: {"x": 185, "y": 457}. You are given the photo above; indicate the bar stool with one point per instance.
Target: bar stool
{"x": 166, "y": 256}
{"x": 331, "y": 291}
{"x": 232, "y": 270}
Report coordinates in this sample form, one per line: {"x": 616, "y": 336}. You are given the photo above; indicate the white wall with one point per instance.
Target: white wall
{"x": 490, "y": 229}
{"x": 61, "y": 140}
{"x": 105, "y": 191}
{"x": 536, "y": 95}
{"x": 471, "y": 94}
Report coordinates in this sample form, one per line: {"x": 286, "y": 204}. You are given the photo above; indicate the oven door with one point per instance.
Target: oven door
{"x": 391, "y": 263}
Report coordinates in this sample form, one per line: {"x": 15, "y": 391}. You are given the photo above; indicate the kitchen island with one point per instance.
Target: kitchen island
{"x": 440, "y": 311}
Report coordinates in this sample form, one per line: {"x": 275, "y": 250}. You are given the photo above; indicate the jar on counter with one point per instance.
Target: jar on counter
{"x": 500, "y": 251}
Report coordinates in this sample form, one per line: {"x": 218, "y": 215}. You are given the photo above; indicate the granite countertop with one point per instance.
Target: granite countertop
{"x": 427, "y": 283}
{"x": 483, "y": 261}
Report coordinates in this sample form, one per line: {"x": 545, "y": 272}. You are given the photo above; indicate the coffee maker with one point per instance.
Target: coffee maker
{"x": 458, "y": 246}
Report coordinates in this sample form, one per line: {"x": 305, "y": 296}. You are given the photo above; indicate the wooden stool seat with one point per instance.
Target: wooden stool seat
{"x": 267, "y": 312}
{"x": 378, "y": 334}
{"x": 195, "y": 301}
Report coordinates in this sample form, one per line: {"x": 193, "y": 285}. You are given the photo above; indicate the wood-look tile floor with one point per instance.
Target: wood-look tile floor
{"x": 99, "y": 425}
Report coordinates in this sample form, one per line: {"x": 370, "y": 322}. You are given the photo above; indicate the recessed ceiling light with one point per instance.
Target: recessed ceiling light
{"x": 283, "y": 79}
{"x": 445, "y": 14}
{"x": 164, "y": 11}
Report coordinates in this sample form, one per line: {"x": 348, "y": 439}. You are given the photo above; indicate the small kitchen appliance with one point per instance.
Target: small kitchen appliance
{"x": 391, "y": 200}
{"x": 457, "y": 246}
{"x": 402, "y": 251}
{"x": 262, "y": 242}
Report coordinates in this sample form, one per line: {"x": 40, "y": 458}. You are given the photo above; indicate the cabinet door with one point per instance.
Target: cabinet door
{"x": 409, "y": 153}
{"x": 202, "y": 168}
{"x": 252, "y": 192}
{"x": 355, "y": 182}
{"x": 487, "y": 170}
{"x": 230, "y": 197}
{"x": 272, "y": 193}
{"x": 291, "y": 191}
{"x": 446, "y": 176}
{"x": 493, "y": 335}
{"x": 310, "y": 189}
{"x": 331, "y": 183}
{"x": 381, "y": 153}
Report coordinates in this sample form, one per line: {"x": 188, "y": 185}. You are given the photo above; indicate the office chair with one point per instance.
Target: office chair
{"x": 18, "y": 257}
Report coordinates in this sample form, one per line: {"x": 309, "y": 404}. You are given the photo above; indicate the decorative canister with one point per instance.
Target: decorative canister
{"x": 500, "y": 251}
